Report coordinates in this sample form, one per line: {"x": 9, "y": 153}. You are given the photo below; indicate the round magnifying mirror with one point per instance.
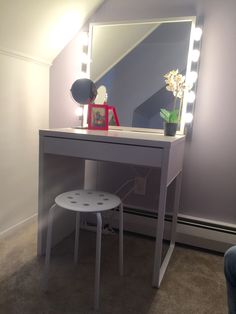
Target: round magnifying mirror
{"x": 83, "y": 91}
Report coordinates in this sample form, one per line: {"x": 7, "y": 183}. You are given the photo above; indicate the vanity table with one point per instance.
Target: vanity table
{"x": 62, "y": 155}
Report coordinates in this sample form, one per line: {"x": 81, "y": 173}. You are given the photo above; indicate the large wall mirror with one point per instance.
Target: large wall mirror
{"x": 131, "y": 58}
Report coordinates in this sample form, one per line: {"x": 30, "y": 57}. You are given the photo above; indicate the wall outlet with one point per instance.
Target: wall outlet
{"x": 140, "y": 185}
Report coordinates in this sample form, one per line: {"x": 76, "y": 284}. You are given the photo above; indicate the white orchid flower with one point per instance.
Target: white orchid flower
{"x": 175, "y": 83}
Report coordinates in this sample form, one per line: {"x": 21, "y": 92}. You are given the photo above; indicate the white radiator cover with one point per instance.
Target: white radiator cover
{"x": 194, "y": 231}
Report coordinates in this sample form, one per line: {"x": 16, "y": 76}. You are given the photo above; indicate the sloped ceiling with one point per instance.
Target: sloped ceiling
{"x": 40, "y": 29}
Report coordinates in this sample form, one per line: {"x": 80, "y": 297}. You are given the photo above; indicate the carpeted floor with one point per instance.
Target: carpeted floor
{"x": 194, "y": 282}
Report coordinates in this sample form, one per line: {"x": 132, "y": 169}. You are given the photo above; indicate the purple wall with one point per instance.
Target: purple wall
{"x": 63, "y": 73}
{"x": 209, "y": 179}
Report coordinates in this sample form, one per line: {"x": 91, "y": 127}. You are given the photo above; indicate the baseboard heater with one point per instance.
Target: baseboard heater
{"x": 201, "y": 233}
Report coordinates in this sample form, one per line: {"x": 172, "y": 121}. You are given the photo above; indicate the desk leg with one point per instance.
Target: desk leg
{"x": 160, "y": 268}
{"x": 176, "y": 207}
{"x": 157, "y": 276}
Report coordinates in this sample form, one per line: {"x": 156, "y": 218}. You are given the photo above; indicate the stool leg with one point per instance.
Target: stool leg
{"x": 77, "y": 226}
{"x": 121, "y": 267}
{"x": 98, "y": 261}
{"x": 48, "y": 247}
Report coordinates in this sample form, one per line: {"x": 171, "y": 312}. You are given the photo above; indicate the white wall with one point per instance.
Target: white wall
{"x": 24, "y": 104}
{"x": 210, "y": 166}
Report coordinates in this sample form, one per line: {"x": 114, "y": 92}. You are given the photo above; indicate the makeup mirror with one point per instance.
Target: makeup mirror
{"x": 83, "y": 91}
{"x": 131, "y": 58}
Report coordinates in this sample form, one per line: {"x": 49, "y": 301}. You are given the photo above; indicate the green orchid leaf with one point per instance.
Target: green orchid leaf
{"x": 170, "y": 116}
{"x": 174, "y": 116}
{"x": 165, "y": 114}
{"x": 164, "y": 117}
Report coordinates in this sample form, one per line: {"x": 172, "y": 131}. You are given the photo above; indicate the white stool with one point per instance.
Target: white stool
{"x": 86, "y": 201}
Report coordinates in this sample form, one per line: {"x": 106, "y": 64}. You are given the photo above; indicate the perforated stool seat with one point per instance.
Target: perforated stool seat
{"x": 86, "y": 201}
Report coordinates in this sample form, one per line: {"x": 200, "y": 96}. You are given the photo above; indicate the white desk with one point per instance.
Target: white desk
{"x": 62, "y": 157}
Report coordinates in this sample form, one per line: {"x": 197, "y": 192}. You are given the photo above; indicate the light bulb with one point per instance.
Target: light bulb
{"x": 191, "y": 96}
{"x": 84, "y": 58}
{"x": 79, "y": 111}
{"x": 84, "y": 38}
{"x": 195, "y": 55}
{"x": 188, "y": 117}
{"x": 197, "y": 33}
{"x": 192, "y": 77}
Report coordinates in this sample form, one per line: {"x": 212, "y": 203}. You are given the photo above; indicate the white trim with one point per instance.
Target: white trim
{"x": 208, "y": 221}
{"x": 197, "y": 235}
{"x": 21, "y": 56}
{"x": 145, "y": 21}
{"x": 205, "y": 238}
{"x": 17, "y": 226}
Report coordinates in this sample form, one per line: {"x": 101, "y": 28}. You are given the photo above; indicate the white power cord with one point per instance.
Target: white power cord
{"x": 108, "y": 229}
{"x": 111, "y": 218}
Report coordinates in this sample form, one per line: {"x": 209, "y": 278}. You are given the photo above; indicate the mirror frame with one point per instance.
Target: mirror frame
{"x": 191, "y": 19}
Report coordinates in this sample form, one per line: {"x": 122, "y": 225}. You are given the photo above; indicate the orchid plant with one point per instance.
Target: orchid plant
{"x": 175, "y": 83}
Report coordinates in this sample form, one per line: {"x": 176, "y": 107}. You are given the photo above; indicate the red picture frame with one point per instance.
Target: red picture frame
{"x": 112, "y": 116}
{"x": 97, "y": 117}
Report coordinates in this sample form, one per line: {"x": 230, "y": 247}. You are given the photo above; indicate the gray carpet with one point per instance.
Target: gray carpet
{"x": 194, "y": 282}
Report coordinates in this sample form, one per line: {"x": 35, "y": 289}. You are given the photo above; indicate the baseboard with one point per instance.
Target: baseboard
{"x": 17, "y": 226}
{"x": 202, "y": 233}
{"x": 193, "y": 231}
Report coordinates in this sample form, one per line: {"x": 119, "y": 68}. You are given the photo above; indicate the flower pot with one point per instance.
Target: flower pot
{"x": 170, "y": 128}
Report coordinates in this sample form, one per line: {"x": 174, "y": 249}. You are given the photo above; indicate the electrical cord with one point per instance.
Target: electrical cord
{"x": 108, "y": 225}
{"x": 112, "y": 213}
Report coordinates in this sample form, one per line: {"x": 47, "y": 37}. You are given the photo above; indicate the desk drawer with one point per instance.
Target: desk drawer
{"x": 130, "y": 154}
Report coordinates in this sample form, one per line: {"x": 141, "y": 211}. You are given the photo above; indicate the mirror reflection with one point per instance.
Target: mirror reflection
{"x": 131, "y": 60}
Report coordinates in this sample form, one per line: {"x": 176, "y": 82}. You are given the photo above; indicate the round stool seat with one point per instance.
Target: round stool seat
{"x": 87, "y": 201}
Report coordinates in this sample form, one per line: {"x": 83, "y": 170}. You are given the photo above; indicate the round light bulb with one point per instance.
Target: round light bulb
{"x": 197, "y": 33}
{"x": 84, "y": 38}
{"x": 191, "y": 97}
{"x": 84, "y": 58}
{"x": 79, "y": 111}
{"x": 195, "y": 55}
{"x": 188, "y": 117}
{"x": 192, "y": 77}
